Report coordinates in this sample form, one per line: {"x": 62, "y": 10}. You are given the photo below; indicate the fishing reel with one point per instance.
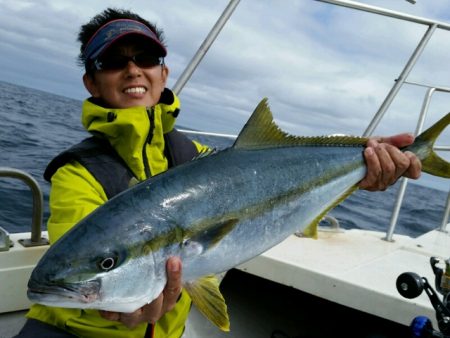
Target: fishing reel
{"x": 411, "y": 285}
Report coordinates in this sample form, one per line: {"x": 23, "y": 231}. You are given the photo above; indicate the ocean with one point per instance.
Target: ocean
{"x": 36, "y": 126}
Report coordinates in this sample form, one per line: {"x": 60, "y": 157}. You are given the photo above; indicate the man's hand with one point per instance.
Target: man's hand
{"x": 153, "y": 311}
{"x": 386, "y": 163}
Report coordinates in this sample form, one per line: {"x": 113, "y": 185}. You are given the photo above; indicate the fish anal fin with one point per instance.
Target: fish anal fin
{"x": 311, "y": 229}
{"x": 208, "y": 299}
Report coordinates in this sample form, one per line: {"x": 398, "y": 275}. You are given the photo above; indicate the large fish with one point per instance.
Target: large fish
{"x": 214, "y": 212}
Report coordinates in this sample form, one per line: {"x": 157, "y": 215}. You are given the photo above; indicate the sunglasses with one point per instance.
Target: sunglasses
{"x": 118, "y": 62}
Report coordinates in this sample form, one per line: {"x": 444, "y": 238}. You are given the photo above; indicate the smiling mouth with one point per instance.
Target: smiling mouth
{"x": 135, "y": 90}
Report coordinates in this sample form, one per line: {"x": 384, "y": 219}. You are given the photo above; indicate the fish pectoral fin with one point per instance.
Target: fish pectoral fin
{"x": 214, "y": 234}
{"x": 208, "y": 299}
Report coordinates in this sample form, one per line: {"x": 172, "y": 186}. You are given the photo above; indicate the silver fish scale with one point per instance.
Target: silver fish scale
{"x": 265, "y": 194}
{"x": 271, "y": 198}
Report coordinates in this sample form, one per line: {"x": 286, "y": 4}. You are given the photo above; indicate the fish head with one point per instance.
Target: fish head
{"x": 94, "y": 267}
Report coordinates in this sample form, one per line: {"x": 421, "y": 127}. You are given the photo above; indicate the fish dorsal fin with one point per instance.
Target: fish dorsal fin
{"x": 205, "y": 153}
{"x": 261, "y": 132}
{"x": 208, "y": 299}
{"x": 134, "y": 181}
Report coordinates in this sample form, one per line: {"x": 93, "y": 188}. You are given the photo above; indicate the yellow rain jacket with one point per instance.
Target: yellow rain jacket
{"x": 75, "y": 193}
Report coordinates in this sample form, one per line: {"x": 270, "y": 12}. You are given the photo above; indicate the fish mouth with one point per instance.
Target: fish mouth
{"x": 85, "y": 292}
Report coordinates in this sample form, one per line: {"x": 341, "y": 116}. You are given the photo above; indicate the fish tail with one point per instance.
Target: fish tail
{"x": 432, "y": 163}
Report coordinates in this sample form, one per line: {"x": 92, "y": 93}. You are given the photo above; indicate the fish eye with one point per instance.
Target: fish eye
{"x": 107, "y": 263}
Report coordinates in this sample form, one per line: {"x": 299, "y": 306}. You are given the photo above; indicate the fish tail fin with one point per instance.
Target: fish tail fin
{"x": 208, "y": 299}
{"x": 432, "y": 163}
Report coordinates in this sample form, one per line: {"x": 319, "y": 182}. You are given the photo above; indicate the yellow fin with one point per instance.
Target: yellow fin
{"x": 311, "y": 229}
{"x": 133, "y": 182}
{"x": 423, "y": 148}
{"x": 261, "y": 132}
{"x": 212, "y": 235}
{"x": 206, "y": 296}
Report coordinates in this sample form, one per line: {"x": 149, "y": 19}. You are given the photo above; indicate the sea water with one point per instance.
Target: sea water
{"x": 36, "y": 126}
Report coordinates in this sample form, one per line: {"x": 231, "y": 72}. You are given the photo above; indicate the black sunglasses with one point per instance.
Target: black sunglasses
{"x": 118, "y": 62}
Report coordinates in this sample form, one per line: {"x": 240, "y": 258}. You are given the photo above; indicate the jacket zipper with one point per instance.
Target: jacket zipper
{"x": 151, "y": 118}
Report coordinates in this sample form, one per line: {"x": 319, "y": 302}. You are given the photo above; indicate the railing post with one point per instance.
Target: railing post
{"x": 399, "y": 82}
{"x": 38, "y": 202}
{"x": 446, "y": 214}
{"x": 185, "y": 76}
{"x": 404, "y": 181}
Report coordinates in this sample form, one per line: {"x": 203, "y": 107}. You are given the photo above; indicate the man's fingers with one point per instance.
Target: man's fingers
{"x": 173, "y": 287}
{"x": 415, "y": 168}
{"x": 373, "y": 169}
{"x": 113, "y": 316}
{"x": 152, "y": 312}
{"x": 400, "y": 162}
{"x": 388, "y": 167}
{"x": 386, "y": 163}
{"x": 399, "y": 140}
{"x": 132, "y": 319}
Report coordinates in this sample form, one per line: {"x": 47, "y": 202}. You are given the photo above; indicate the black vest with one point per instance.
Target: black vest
{"x": 109, "y": 169}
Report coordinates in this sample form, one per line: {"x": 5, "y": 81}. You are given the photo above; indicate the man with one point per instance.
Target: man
{"x": 131, "y": 115}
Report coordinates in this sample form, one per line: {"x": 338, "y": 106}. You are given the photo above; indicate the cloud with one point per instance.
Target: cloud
{"x": 324, "y": 68}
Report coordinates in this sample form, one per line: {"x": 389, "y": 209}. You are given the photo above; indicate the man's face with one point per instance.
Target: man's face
{"x": 130, "y": 86}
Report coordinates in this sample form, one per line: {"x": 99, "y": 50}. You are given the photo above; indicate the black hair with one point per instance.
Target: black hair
{"x": 110, "y": 14}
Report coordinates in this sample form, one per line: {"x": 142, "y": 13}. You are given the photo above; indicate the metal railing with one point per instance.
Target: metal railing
{"x": 201, "y": 52}
{"x": 190, "y": 68}
{"x": 404, "y": 181}
{"x": 433, "y": 25}
{"x": 37, "y": 209}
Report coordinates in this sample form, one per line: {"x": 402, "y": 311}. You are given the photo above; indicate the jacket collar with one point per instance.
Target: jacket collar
{"x": 132, "y": 131}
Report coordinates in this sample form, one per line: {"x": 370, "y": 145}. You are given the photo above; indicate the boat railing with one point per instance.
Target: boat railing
{"x": 433, "y": 25}
{"x": 404, "y": 181}
{"x": 37, "y": 209}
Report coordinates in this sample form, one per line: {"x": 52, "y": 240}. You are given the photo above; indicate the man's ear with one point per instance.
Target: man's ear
{"x": 165, "y": 75}
{"x": 90, "y": 85}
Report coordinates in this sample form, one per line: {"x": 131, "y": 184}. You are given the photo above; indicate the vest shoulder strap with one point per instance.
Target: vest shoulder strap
{"x": 100, "y": 159}
{"x": 108, "y": 168}
{"x": 178, "y": 148}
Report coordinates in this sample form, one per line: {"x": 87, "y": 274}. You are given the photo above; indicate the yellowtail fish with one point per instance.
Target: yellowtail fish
{"x": 215, "y": 212}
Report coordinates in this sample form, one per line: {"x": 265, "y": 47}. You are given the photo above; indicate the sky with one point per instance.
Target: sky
{"x": 325, "y": 69}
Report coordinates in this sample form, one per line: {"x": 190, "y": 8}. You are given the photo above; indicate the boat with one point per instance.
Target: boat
{"x": 348, "y": 282}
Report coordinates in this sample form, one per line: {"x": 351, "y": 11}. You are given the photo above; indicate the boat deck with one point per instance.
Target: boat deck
{"x": 356, "y": 268}
{"x": 264, "y": 309}
{"x": 352, "y": 273}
